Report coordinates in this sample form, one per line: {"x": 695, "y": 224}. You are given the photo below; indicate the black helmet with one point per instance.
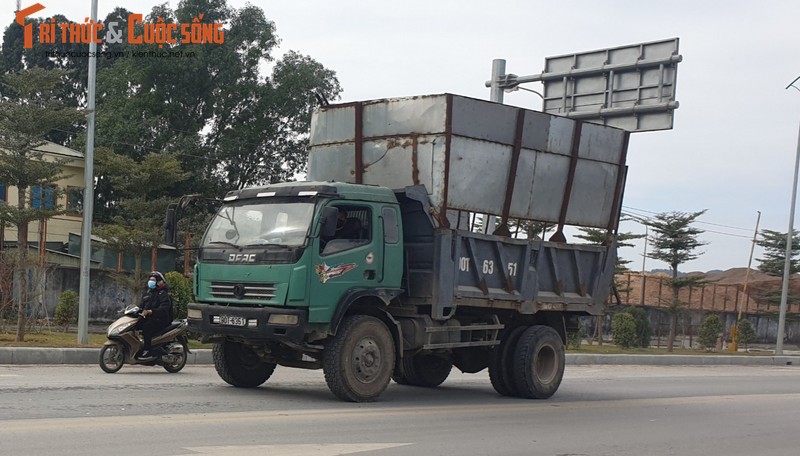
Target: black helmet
{"x": 158, "y": 276}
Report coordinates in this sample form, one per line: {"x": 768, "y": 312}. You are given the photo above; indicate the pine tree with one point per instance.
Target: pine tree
{"x": 675, "y": 242}
{"x": 31, "y": 109}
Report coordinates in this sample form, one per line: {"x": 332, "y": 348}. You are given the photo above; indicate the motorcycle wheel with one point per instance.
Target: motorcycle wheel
{"x": 176, "y": 366}
{"x": 112, "y": 357}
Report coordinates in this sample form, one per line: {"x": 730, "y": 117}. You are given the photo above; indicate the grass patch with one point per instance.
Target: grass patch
{"x": 53, "y": 339}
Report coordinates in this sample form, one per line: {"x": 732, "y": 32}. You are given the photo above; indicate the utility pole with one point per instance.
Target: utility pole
{"x": 734, "y": 346}
{"x": 644, "y": 259}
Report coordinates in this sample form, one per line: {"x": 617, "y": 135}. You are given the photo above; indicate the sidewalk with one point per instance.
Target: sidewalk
{"x": 31, "y": 355}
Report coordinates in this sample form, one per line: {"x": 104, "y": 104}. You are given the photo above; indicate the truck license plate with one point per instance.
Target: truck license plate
{"x": 230, "y": 320}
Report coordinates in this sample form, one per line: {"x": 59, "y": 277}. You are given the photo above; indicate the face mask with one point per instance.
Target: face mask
{"x": 151, "y": 283}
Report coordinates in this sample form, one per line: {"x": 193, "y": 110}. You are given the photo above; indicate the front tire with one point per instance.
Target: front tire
{"x": 358, "y": 362}
{"x": 112, "y": 357}
{"x": 177, "y": 364}
{"x": 539, "y": 363}
{"x": 239, "y": 365}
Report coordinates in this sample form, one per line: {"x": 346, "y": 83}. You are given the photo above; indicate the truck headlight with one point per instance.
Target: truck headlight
{"x": 194, "y": 313}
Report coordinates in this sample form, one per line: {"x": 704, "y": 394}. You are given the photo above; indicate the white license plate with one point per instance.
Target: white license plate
{"x": 230, "y": 320}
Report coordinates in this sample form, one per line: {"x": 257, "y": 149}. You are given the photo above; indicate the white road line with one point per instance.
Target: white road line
{"x": 324, "y": 449}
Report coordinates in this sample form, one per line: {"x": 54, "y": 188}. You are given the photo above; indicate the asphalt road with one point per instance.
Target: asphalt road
{"x": 599, "y": 410}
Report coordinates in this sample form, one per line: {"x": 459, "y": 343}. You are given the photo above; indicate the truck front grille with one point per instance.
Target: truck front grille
{"x": 243, "y": 290}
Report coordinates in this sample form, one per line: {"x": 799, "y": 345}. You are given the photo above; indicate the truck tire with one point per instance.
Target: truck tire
{"x": 538, "y": 363}
{"x": 358, "y": 362}
{"x": 501, "y": 363}
{"x": 422, "y": 370}
{"x": 239, "y": 365}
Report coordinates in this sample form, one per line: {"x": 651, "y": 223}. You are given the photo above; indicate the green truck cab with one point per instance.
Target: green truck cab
{"x": 321, "y": 246}
{"x": 405, "y": 281}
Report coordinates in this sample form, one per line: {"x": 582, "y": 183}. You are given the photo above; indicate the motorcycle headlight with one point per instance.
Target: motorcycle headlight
{"x": 117, "y": 330}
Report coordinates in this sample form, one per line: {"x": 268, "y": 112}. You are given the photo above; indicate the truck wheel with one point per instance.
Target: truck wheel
{"x": 239, "y": 365}
{"x": 112, "y": 357}
{"x": 501, "y": 363}
{"x": 538, "y": 363}
{"x": 358, "y": 362}
{"x": 422, "y": 370}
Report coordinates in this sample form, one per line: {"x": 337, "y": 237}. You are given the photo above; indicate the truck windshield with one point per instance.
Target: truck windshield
{"x": 247, "y": 223}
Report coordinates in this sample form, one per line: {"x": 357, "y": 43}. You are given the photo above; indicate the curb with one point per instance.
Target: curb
{"x": 684, "y": 360}
{"x": 35, "y": 355}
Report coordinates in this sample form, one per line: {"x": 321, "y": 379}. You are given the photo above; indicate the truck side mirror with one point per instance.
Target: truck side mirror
{"x": 328, "y": 221}
{"x": 170, "y": 226}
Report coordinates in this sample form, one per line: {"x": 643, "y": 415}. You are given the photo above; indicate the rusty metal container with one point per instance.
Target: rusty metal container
{"x": 475, "y": 156}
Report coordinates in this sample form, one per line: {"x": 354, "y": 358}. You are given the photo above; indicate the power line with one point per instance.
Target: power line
{"x": 646, "y": 221}
{"x": 696, "y": 221}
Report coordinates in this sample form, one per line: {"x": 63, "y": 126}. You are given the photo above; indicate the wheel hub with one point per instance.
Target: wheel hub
{"x": 366, "y": 360}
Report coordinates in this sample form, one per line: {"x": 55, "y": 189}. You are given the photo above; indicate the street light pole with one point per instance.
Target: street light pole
{"x": 788, "y": 261}
{"x": 498, "y": 71}
{"x": 88, "y": 195}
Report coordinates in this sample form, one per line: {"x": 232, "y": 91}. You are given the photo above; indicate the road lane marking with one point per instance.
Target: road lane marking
{"x": 323, "y": 449}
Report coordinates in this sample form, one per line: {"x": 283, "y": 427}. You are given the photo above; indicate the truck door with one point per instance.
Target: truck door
{"x": 352, "y": 259}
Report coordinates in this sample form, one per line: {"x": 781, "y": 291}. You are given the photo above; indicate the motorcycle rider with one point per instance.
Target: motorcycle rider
{"x": 156, "y": 312}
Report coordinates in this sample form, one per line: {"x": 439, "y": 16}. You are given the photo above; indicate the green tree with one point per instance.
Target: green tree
{"x": 774, "y": 260}
{"x": 675, "y": 243}
{"x": 600, "y": 237}
{"x": 745, "y": 333}
{"x": 215, "y": 112}
{"x": 623, "y": 330}
{"x": 139, "y": 208}
{"x": 30, "y": 110}
{"x": 710, "y": 331}
{"x": 644, "y": 331}
{"x": 180, "y": 289}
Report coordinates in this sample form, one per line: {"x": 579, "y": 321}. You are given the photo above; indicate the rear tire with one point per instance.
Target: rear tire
{"x": 358, "y": 362}
{"x": 539, "y": 363}
{"x": 422, "y": 370}
{"x": 501, "y": 372}
{"x": 112, "y": 358}
{"x": 239, "y": 365}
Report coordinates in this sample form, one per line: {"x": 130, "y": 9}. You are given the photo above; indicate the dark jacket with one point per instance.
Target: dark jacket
{"x": 159, "y": 301}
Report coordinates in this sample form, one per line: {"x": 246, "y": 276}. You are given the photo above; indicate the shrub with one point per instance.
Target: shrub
{"x": 574, "y": 338}
{"x": 67, "y": 309}
{"x": 623, "y": 330}
{"x": 643, "y": 330}
{"x": 710, "y": 331}
{"x": 745, "y": 333}
{"x": 180, "y": 289}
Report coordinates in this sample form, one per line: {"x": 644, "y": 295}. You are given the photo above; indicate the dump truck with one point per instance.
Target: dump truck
{"x": 403, "y": 256}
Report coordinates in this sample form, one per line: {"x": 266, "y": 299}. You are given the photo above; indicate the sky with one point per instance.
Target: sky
{"x": 735, "y": 137}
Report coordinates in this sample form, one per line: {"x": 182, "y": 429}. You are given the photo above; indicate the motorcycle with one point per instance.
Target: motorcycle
{"x": 124, "y": 343}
